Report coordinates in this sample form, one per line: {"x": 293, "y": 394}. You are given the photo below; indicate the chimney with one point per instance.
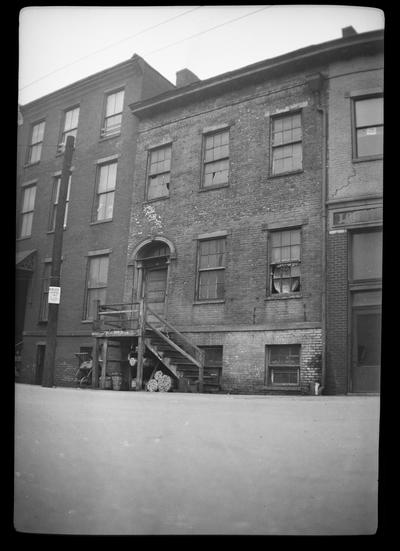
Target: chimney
{"x": 348, "y": 31}
{"x": 185, "y": 77}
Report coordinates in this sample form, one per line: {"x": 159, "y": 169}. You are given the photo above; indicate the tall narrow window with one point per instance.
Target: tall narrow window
{"x": 285, "y": 261}
{"x": 368, "y": 127}
{"x": 283, "y": 364}
{"x": 366, "y": 255}
{"x": 54, "y": 203}
{"x": 216, "y": 159}
{"x": 106, "y": 183}
{"x": 96, "y": 285}
{"x": 71, "y": 119}
{"x": 113, "y": 113}
{"x": 27, "y": 209}
{"x": 287, "y": 148}
{"x": 211, "y": 269}
{"x": 159, "y": 171}
{"x": 35, "y": 148}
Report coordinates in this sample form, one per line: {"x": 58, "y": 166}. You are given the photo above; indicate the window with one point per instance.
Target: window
{"x": 159, "y": 172}
{"x": 287, "y": 148}
{"x": 96, "y": 285}
{"x": 211, "y": 269}
{"x": 113, "y": 114}
{"x": 54, "y": 203}
{"x": 283, "y": 364}
{"x": 366, "y": 252}
{"x": 28, "y": 205}
{"x": 368, "y": 121}
{"x": 104, "y": 200}
{"x": 212, "y": 363}
{"x": 70, "y": 124}
{"x": 35, "y": 148}
{"x": 285, "y": 261}
{"x": 216, "y": 159}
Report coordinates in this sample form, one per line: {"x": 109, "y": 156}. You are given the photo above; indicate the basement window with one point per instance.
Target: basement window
{"x": 283, "y": 365}
{"x": 285, "y": 261}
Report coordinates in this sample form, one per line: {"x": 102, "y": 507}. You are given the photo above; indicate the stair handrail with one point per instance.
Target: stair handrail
{"x": 200, "y": 353}
{"x": 173, "y": 344}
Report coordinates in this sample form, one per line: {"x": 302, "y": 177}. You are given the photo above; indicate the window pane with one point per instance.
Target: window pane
{"x": 370, "y": 141}
{"x": 35, "y": 153}
{"x": 369, "y": 112}
{"x": 158, "y": 186}
{"x": 211, "y": 284}
{"x": 71, "y": 119}
{"x": 212, "y": 253}
{"x": 367, "y": 255}
{"x": 107, "y": 177}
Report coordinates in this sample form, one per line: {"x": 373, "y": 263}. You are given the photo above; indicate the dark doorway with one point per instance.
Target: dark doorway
{"x": 366, "y": 350}
{"x": 40, "y": 354}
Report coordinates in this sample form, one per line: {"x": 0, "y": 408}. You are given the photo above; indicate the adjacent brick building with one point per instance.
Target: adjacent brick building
{"x": 238, "y": 198}
{"x": 95, "y": 111}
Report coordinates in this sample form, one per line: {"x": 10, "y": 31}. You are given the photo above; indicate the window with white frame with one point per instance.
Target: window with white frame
{"x": 211, "y": 269}
{"x": 287, "y": 147}
{"x": 27, "y": 210}
{"x": 71, "y": 118}
{"x": 283, "y": 365}
{"x": 96, "y": 284}
{"x": 368, "y": 123}
{"x": 113, "y": 113}
{"x": 35, "y": 147}
{"x": 54, "y": 203}
{"x": 216, "y": 159}
{"x": 159, "y": 172}
{"x": 285, "y": 250}
{"x": 105, "y": 191}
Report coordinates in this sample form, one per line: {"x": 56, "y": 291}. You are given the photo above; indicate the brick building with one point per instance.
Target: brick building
{"x": 240, "y": 205}
{"x": 95, "y": 111}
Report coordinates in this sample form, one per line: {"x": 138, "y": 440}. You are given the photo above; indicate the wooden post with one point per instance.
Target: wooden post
{"x": 52, "y": 321}
{"x": 201, "y": 372}
{"x": 104, "y": 364}
{"x": 139, "y": 372}
{"x": 95, "y": 371}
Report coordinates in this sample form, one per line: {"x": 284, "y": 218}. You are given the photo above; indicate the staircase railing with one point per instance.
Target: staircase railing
{"x": 173, "y": 337}
{"x": 119, "y": 316}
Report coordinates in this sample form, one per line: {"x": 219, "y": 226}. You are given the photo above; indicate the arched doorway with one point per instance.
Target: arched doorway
{"x": 152, "y": 261}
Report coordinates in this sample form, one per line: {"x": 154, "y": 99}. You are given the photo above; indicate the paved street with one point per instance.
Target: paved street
{"x": 106, "y": 462}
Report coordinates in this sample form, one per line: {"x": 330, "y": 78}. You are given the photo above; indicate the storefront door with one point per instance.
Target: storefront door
{"x": 366, "y": 349}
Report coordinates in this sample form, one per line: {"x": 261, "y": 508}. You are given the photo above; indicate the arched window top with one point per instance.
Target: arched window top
{"x": 153, "y": 250}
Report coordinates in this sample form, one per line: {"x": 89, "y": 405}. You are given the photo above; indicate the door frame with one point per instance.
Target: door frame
{"x": 372, "y": 309}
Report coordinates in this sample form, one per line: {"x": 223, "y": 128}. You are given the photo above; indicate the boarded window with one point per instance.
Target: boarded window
{"x": 211, "y": 269}
{"x": 283, "y": 364}
{"x": 159, "y": 172}
{"x": 216, "y": 159}
{"x": 369, "y": 127}
{"x": 366, "y": 255}
{"x": 287, "y": 148}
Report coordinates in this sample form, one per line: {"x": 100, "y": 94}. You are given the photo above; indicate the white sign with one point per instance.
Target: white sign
{"x": 54, "y": 295}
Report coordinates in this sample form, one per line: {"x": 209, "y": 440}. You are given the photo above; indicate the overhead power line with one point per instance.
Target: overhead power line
{"x": 109, "y": 46}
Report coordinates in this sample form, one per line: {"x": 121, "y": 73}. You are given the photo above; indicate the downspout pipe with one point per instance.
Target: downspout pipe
{"x": 316, "y": 83}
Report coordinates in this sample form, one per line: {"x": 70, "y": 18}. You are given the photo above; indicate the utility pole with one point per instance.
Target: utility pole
{"x": 52, "y": 321}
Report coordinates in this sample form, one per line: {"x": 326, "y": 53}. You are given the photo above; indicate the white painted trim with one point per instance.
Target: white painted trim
{"x": 104, "y": 160}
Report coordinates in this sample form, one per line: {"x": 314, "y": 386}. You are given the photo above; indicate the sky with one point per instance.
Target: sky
{"x": 59, "y": 45}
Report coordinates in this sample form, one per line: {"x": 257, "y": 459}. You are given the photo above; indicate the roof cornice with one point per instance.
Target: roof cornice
{"x": 286, "y": 62}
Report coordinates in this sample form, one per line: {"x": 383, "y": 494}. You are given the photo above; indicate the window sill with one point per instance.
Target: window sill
{"x": 163, "y": 198}
{"x": 96, "y": 222}
{"x": 284, "y": 296}
{"x": 283, "y": 174}
{"x": 210, "y": 188}
{"x": 27, "y": 165}
{"x": 369, "y": 158}
{"x": 86, "y": 321}
{"x": 23, "y": 238}
{"x": 50, "y": 232}
{"x": 105, "y": 138}
{"x": 216, "y": 301}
